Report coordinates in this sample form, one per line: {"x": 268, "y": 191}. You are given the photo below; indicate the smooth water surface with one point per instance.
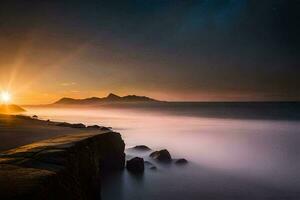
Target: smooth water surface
{"x": 229, "y": 157}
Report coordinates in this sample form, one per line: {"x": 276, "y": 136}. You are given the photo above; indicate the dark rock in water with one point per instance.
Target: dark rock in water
{"x": 181, "y": 161}
{"x": 94, "y": 127}
{"x": 162, "y": 155}
{"x": 142, "y": 148}
{"x": 35, "y": 116}
{"x": 135, "y": 165}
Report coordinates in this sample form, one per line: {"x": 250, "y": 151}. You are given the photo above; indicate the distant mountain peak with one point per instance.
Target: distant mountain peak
{"x": 65, "y": 100}
{"x": 113, "y": 96}
{"x": 109, "y": 98}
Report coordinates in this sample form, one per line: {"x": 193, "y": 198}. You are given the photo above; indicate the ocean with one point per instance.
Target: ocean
{"x": 235, "y": 150}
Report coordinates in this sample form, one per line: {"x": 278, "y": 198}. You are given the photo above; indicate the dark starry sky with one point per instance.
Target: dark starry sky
{"x": 169, "y": 49}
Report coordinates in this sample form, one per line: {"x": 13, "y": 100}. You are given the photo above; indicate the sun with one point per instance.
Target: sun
{"x": 5, "y": 97}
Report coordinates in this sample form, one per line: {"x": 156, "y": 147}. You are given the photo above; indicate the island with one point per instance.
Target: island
{"x": 111, "y": 98}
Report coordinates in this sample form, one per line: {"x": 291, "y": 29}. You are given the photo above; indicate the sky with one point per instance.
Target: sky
{"x": 192, "y": 50}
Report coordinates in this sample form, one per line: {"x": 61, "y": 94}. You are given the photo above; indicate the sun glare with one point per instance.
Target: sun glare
{"x": 5, "y": 97}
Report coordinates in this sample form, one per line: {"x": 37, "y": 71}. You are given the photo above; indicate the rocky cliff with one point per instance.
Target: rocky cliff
{"x": 67, "y": 167}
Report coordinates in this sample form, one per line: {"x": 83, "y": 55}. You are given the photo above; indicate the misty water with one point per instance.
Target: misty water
{"x": 234, "y": 152}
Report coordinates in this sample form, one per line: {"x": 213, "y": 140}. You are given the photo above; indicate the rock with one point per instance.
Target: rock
{"x": 34, "y": 116}
{"x": 142, "y": 148}
{"x": 66, "y": 167}
{"x": 78, "y": 126}
{"x": 162, "y": 155}
{"x": 135, "y": 165}
{"x": 181, "y": 161}
{"x": 104, "y": 128}
{"x": 94, "y": 127}
{"x": 65, "y": 124}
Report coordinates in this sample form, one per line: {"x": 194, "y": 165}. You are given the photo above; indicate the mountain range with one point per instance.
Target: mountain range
{"x": 111, "y": 98}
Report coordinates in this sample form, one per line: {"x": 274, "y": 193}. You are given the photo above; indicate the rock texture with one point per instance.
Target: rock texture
{"x": 181, "y": 161}
{"x": 142, "y": 148}
{"x": 67, "y": 167}
{"x": 162, "y": 155}
{"x": 135, "y": 165}
{"x": 65, "y": 124}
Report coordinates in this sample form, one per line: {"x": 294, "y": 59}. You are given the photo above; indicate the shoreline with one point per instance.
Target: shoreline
{"x": 62, "y": 165}
{"x": 19, "y": 130}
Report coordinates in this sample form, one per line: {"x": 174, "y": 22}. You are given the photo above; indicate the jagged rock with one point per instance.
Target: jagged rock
{"x": 135, "y": 165}
{"x": 78, "y": 126}
{"x": 65, "y": 124}
{"x": 104, "y": 128}
{"x": 66, "y": 167}
{"x": 142, "y": 148}
{"x": 162, "y": 155}
{"x": 94, "y": 127}
{"x": 181, "y": 161}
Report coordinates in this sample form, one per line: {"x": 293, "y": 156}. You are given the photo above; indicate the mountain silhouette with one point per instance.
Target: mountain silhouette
{"x": 109, "y": 98}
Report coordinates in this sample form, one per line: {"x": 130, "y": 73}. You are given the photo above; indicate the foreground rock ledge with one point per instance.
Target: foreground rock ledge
{"x": 67, "y": 167}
